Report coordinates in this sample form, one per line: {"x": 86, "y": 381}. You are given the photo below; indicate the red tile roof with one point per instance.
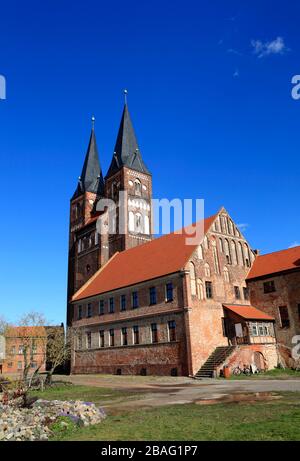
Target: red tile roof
{"x": 248, "y": 312}
{"x": 273, "y": 263}
{"x": 159, "y": 257}
{"x": 25, "y": 331}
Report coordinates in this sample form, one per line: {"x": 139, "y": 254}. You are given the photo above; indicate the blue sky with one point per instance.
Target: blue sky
{"x": 209, "y": 87}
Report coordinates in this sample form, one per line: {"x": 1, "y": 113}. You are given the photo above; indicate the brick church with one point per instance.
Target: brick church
{"x": 145, "y": 305}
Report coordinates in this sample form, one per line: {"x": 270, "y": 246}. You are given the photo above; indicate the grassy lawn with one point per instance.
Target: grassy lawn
{"x": 97, "y": 395}
{"x": 276, "y": 373}
{"x": 269, "y": 420}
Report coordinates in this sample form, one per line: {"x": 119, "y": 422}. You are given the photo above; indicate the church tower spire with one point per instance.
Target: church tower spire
{"x": 91, "y": 178}
{"x": 126, "y": 151}
{"x": 129, "y": 183}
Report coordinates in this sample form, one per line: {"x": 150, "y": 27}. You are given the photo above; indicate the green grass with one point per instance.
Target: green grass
{"x": 269, "y": 420}
{"x": 97, "y": 395}
{"x": 276, "y": 373}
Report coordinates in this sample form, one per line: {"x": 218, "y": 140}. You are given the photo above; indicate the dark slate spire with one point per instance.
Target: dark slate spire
{"x": 91, "y": 179}
{"x": 126, "y": 152}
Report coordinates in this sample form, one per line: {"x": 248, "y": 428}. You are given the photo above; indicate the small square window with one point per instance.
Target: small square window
{"x": 154, "y": 335}
{"x": 135, "y": 300}
{"x": 124, "y": 336}
{"x": 237, "y": 292}
{"x": 89, "y": 340}
{"x": 269, "y": 287}
{"x": 169, "y": 292}
{"x": 123, "y": 303}
{"x": 152, "y": 292}
{"x": 111, "y": 305}
{"x": 101, "y": 338}
{"x": 209, "y": 290}
{"x": 284, "y": 317}
{"x": 246, "y": 292}
{"x": 111, "y": 337}
{"x": 89, "y": 311}
{"x": 172, "y": 330}
{"x": 101, "y": 307}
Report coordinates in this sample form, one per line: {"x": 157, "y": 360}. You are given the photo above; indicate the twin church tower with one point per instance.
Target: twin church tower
{"x": 88, "y": 249}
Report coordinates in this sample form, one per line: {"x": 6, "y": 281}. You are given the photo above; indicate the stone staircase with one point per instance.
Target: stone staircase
{"x": 216, "y": 359}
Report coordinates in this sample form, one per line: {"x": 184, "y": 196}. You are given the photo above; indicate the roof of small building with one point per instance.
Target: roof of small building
{"x": 22, "y": 331}
{"x": 276, "y": 262}
{"x": 159, "y": 257}
{"x": 248, "y": 312}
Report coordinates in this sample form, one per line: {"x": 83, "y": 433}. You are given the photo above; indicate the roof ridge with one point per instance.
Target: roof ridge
{"x": 278, "y": 251}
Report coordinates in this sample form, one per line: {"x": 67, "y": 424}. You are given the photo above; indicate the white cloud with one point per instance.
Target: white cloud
{"x": 294, "y": 244}
{"x": 236, "y": 73}
{"x": 243, "y": 226}
{"x": 262, "y": 49}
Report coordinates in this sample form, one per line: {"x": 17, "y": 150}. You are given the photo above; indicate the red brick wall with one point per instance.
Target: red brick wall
{"x": 287, "y": 294}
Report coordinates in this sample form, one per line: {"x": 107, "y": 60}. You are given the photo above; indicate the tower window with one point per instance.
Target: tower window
{"x": 137, "y": 187}
{"x": 79, "y": 312}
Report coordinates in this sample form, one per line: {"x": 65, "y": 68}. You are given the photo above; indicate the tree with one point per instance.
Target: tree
{"x": 32, "y": 336}
{"x": 58, "y": 349}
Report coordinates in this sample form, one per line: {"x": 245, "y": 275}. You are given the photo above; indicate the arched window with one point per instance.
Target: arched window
{"x": 234, "y": 252}
{"x": 227, "y": 252}
{"x": 193, "y": 278}
{"x": 205, "y": 243}
{"x": 226, "y": 274}
{"x": 216, "y": 259}
{"x": 137, "y": 187}
{"x": 200, "y": 252}
{"x": 247, "y": 255}
{"x": 147, "y": 225}
{"x": 200, "y": 289}
{"x": 221, "y": 245}
{"x": 138, "y": 223}
{"x": 131, "y": 221}
{"x": 207, "y": 270}
{"x": 241, "y": 254}
{"x": 230, "y": 226}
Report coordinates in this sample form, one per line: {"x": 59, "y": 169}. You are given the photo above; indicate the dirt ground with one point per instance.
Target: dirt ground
{"x": 159, "y": 391}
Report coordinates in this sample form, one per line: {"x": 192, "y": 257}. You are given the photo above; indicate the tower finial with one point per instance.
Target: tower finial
{"x": 125, "y": 96}
{"x": 93, "y": 122}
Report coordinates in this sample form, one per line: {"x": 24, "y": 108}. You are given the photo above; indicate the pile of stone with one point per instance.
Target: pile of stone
{"x": 17, "y": 423}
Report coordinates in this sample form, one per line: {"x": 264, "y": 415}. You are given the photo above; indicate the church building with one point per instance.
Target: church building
{"x": 145, "y": 305}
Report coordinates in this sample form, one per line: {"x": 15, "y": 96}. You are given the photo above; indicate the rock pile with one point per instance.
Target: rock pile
{"x": 33, "y": 423}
